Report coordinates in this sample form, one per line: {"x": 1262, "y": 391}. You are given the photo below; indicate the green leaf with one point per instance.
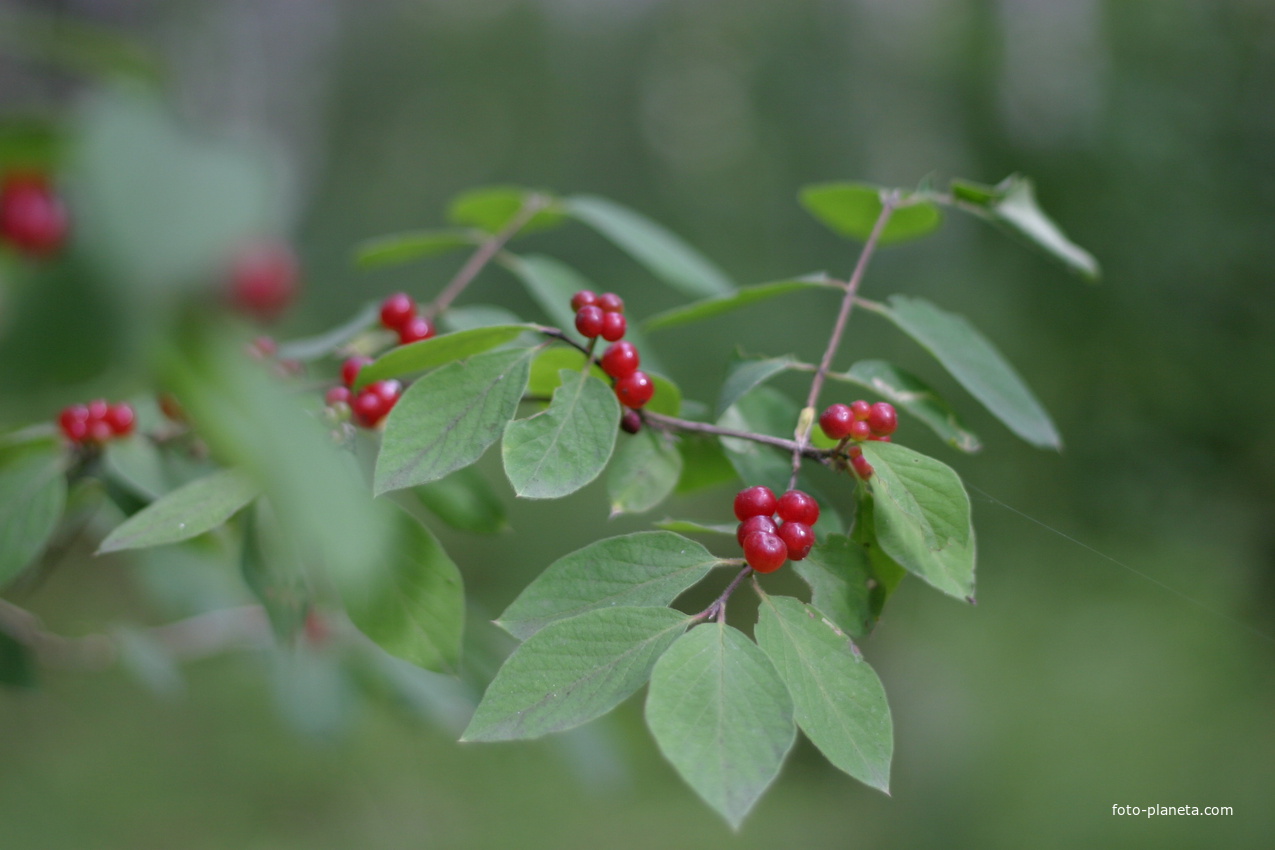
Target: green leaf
{"x": 491, "y": 208}
{"x": 704, "y": 463}
{"x": 921, "y": 515}
{"x": 690, "y": 526}
{"x": 852, "y": 209}
{"x": 1012, "y": 205}
{"x": 271, "y": 570}
{"x": 324, "y": 344}
{"x": 839, "y": 572}
{"x": 837, "y": 698}
{"x": 646, "y": 468}
{"x": 665, "y": 255}
{"x": 743, "y": 375}
{"x": 417, "y": 611}
{"x": 907, "y": 391}
{"x": 977, "y": 365}
{"x": 32, "y": 495}
{"x": 646, "y": 569}
{"x": 721, "y": 714}
{"x": 574, "y": 670}
{"x": 469, "y": 316}
{"x": 437, "y": 351}
{"x": 188, "y": 511}
{"x": 464, "y": 500}
{"x": 398, "y": 248}
{"x": 551, "y": 364}
{"x": 136, "y": 464}
{"x": 763, "y": 411}
{"x": 564, "y": 447}
{"x": 446, "y": 420}
{"x": 719, "y": 304}
{"x": 550, "y": 283}
{"x": 17, "y": 667}
{"x": 668, "y": 397}
{"x": 886, "y": 571}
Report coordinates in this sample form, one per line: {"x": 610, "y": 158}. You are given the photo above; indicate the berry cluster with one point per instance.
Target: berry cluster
{"x": 372, "y": 403}
{"x": 860, "y": 421}
{"x": 96, "y": 422}
{"x": 603, "y": 315}
{"x": 767, "y": 544}
{"x": 398, "y": 313}
{"x": 33, "y": 219}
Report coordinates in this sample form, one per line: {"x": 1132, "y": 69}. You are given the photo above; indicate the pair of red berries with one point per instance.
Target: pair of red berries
{"x": 599, "y": 315}
{"x": 603, "y": 315}
{"x": 33, "y": 218}
{"x": 372, "y": 403}
{"x": 398, "y": 313}
{"x": 264, "y": 280}
{"x": 767, "y": 544}
{"x": 96, "y": 422}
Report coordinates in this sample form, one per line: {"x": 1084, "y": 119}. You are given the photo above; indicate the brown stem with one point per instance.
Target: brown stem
{"x": 718, "y": 607}
{"x": 660, "y": 420}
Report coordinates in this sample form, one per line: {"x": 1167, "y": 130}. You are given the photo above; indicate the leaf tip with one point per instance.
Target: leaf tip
{"x": 971, "y": 600}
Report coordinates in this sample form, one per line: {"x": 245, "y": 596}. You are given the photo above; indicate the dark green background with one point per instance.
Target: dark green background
{"x": 1075, "y": 684}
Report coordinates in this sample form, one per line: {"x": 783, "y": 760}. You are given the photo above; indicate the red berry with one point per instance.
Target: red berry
{"x": 589, "y": 321}
{"x": 369, "y": 408}
{"x": 397, "y": 310}
{"x": 610, "y": 303}
{"x": 882, "y": 419}
{"x": 337, "y": 395}
{"x": 620, "y": 359}
{"x": 764, "y": 551}
{"x": 796, "y": 506}
{"x": 613, "y": 326}
{"x": 583, "y": 298}
{"x": 99, "y": 431}
{"x": 752, "y": 524}
{"x": 631, "y": 422}
{"x": 798, "y": 537}
{"x": 859, "y": 430}
{"x": 74, "y": 422}
{"x": 635, "y": 390}
{"x": 415, "y": 329}
{"x": 836, "y": 421}
{"x": 350, "y": 369}
{"x": 121, "y": 418}
{"x": 389, "y": 390}
{"x": 32, "y": 216}
{"x": 264, "y": 280}
{"x": 855, "y": 451}
{"x": 755, "y": 501}
{"x": 97, "y": 410}
{"x": 860, "y": 409}
{"x": 862, "y": 467}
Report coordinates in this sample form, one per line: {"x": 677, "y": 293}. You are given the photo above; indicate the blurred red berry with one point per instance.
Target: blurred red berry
{"x": 264, "y": 280}
{"x": 397, "y": 310}
{"x": 33, "y": 218}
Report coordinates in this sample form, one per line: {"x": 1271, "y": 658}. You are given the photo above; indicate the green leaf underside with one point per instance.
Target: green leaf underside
{"x": 186, "y": 512}
{"x": 564, "y": 447}
{"x": 646, "y": 469}
{"x": 744, "y": 375}
{"x": 649, "y": 568}
{"x": 415, "y": 610}
{"x": 446, "y": 420}
{"x": 464, "y": 500}
{"x": 887, "y": 571}
{"x": 719, "y": 304}
{"x": 573, "y": 671}
{"x": 397, "y": 248}
{"x": 921, "y": 516}
{"x": 763, "y": 411}
{"x": 490, "y": 208}
{"x": 665, "y": 255}
{"x": 977, "y": 365}
{"x": 690, "y": 526}
{"x": 32, "y": 496}
{"x": 905, "y": 390}
{"x": 852, "y": 209}
{"x": 321, "y": 345}
{"x": 551, "y": 364}
{"x": 839, "y": 571}
{"x": 838, "y": 700}
{"x": 437, "y": 351}
{"x": 1013, "y": 206}
{"x": 722, "y": 716}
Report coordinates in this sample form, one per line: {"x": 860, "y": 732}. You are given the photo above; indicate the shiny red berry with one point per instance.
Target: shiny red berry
{"x": 389, "y": 390}
{"x": 631, "y": 422}
{"x": 369, "y": 408}
{"x": 74, "y": 422}
{"x": 33, "y": 218}
{"x": 264, "y": 280}
{"x": 799, "y": 539}
{"x": 583, "y": 298}
{"x": 613, "y": 326}
{"x": 635, "y": 390}
{"x": 589, "y": 321}
{"x": 620, "y": 359}
{"x": 610, "y": 303}
{"x": 99, "y": 431}
{"x": 121, "y": 418}
{"x": 859, "y": 430}
{"x": 861, "y": 467}
{"x": 755, "y": 501}
{"x": 397, "y": 310}
{"x": 350, "y": 369}
{"x": 752, "y": 524}
{"x": 860, "y": 409}
{"x": 337, "y": 395}
{"x": 415, "y": 329}
{"x": 882, "y": 419}
{"x": 836, "y": 420}
{"x": 796, "y": 506}
{"x": 97, "y": 409}
{"x": 765, "y": 552}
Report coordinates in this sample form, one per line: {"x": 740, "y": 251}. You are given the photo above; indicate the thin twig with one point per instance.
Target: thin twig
{"x": 663, "y": 421}
{"x": 718, "y": 607}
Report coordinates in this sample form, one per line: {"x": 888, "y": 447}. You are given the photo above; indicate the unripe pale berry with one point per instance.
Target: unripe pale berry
{"x": 613, "y": 326}
{"x": 796, "y": 506}
{"x": 752, "y": 524}
{"x": 765, "y": 552}
{"x": 620, "y": 359}
{"x": 589, "y": 321}
{"x": 415, "y": 329}
{"x": 798, "y": 537}
{"x": 836, "y": 420}
{"x": 610, "y": 303}
{"x": 758, "y": 500}
{"x": 583, "y": 298}
{"x": 882, "y": 419}
{"x": 397, "y": 310}
{"x": 635, "y": 390}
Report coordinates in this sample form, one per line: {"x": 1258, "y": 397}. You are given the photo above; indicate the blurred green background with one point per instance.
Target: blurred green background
{"x": 1075, "y": 684}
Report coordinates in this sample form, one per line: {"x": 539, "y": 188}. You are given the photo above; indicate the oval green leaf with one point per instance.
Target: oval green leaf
{"x": 429, "y": 353}
{"x": 839, "y": 572}
{"x": 644, "y": 473}
{"x": 186, "y": 512}
{"x": 719, "y": 304}
{"x": 852, "y": 209}
{"x": 491, "y": 208}
{"x": 32, "y": 496}
{"x": 398, "y": 248}
{"x": 464, "y": 500}
{"x": 742, "y": 375}
{"x": 324, "y": 344}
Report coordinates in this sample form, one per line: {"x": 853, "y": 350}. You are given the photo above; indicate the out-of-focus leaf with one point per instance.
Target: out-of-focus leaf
{"x": 725, "y": 303}
{"x": 186, "y": 512}
{"x": 325, "y": 344}
{"x": 852, "y": 209}
{"x": 398, "y": 248}
{"x": 32, "y": 496}
{"x": 436, "y": 351}
{"x": 743, "y": 375}
{"x": 464, "y": 500}
{"x": 490, "y": 208}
